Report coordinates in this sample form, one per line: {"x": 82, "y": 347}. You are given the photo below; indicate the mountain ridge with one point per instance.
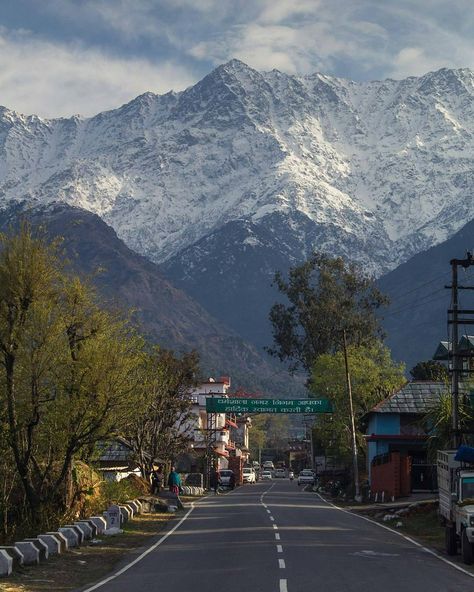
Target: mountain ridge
{"x": 164, "y": 314}
{"x": 245, "y": 173}
{"x": 242, "y": 143}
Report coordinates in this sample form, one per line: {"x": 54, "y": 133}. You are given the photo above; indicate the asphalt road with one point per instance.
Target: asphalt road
{"x": 273, "y": 537}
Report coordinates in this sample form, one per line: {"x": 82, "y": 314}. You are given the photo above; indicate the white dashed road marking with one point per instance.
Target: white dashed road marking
{"x": 279, "y": 548}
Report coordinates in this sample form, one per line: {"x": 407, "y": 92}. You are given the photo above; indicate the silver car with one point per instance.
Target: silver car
{"x": 306, "y": 477}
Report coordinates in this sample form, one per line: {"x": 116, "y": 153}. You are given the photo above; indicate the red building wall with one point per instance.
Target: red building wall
{"x": 392, "y": 476}
{"x": 236, "y": 464}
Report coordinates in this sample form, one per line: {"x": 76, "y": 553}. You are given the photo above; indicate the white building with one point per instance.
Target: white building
{"x": 222, "y": 434}
{"x": 211, "y": 432}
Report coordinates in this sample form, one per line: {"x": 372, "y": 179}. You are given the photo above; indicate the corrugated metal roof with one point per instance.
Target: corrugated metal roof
{"x": 442, "y": 351}
{"x": 466, "y": 345}
{"x": 415, "y": 397}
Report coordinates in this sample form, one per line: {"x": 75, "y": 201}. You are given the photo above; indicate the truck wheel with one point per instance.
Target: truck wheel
{"x": 450, "y": 540}
{"x": 466, "y": 549}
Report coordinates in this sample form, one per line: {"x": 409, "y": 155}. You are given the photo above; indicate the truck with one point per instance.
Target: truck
{"x": 456, "y": 503}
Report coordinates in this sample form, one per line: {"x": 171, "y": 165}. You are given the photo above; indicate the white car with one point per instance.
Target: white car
{"x": 248, "y": 475}
{"x": 306, "y": 477}
{"x": 279, "y": 473}
{"x": 268, "y": 464}
{"x": 266, "y": 475}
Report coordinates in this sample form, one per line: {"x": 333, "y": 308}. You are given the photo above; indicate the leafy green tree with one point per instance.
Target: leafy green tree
{"x": 277, "y": 431}
{"x": 160, "y": 426}
{"x": 268, "y": 431}
{"x": 374, "y": 376}
{"x": 430, "y": 370}
{"x": 438, "y": 422}
{"x": 257, "y": 436}
{"x": 325, "y": 296}
{"x": 68, "y": 370}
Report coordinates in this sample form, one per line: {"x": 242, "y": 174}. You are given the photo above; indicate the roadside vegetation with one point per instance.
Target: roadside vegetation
{"x": 73, "y": 372}
{"x": 324, "y": 298}
{"x": 72, "y": 571}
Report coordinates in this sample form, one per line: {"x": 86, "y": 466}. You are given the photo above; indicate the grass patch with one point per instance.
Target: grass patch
{"x": 423, "y": 524}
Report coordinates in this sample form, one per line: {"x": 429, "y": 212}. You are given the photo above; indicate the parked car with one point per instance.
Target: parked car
{"x": 266, "y": 475}
{"x": 227, "y": 478}
{"x": 306, "y": 477}
{"x": 279, "y": 473}
{"x": 248, "y": 475}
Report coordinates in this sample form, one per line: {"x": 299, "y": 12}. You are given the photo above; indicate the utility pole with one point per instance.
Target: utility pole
{"x": 353, "y": 430}
{"x": 456, "y": 356}
{"x": 308, "y": 422}
{"x": 454, "y": 349}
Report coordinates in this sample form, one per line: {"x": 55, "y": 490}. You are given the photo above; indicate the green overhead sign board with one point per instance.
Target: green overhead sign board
{"x": 237, "y": 405}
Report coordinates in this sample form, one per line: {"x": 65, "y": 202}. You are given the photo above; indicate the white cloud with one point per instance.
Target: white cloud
{"x": 171, "y": 43}
{"x": 279, "y": 11}
{"x": 298, "y": 37}
{"x": 50, "y": 79}
{"x": 413, "y": 61}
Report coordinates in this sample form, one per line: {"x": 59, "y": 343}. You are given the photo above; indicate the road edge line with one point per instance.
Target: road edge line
{"x": 400, "y": 534}
{"x": 140, "y": 557}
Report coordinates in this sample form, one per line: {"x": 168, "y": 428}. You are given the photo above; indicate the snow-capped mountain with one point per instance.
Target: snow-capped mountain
{"x": 380, "y": 169}
{"x": 245, "y": 173}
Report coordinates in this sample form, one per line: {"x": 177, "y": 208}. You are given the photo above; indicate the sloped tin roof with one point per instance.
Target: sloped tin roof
{"x": 415, "y": 397}
{"x": 466, "y": 345}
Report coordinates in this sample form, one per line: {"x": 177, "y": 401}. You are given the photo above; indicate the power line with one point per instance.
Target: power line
{"x": 421, "y": 302}
{"x": 403, "y": 294}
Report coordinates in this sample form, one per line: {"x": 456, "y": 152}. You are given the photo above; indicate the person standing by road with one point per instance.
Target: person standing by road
{"x": 174, "y": 481}
{"x": 157, "y": 480}
{"x": 214, "y": 480}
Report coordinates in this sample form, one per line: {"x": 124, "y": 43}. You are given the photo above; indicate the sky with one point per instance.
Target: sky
{"x": 65, "y": 57}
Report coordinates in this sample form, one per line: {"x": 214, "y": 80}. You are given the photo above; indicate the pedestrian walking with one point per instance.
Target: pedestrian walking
{"x": 157, "y": 480}
{"x": 174, "y": 481}
{"x": 214, "y": 481}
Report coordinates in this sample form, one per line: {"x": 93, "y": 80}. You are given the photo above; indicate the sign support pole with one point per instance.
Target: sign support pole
{"x": 355, "y": 462}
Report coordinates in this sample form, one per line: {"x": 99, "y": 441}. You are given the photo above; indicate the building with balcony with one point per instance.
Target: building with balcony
{"x": 220, "y": 438}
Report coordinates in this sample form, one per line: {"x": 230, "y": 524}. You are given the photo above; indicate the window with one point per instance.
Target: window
{"x": 467, "y": 488}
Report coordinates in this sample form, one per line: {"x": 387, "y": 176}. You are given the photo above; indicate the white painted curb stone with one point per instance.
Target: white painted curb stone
{"x": 6, "y": 563}
{"x": 31, "y": 555}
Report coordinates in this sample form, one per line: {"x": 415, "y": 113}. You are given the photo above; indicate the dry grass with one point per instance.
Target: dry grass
{"x": 78, "y": 567}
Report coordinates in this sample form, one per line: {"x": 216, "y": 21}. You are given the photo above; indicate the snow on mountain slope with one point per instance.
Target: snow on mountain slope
{"x": 386, "y": 168}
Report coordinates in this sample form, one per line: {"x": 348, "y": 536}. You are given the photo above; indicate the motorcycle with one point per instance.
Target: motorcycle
{"x": 291, "y": 475}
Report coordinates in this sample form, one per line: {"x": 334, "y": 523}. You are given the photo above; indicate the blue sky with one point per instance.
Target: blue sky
{"x": 60, "y": 57}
